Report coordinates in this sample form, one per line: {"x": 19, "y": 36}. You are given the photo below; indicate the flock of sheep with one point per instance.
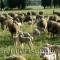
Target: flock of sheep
{"x": 14, "y": 22}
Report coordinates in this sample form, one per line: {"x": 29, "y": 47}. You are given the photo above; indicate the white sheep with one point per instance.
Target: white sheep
{"x": 46, "y": 54}
{"x": 15, "y": 58}
{"x": 36, "y": 32}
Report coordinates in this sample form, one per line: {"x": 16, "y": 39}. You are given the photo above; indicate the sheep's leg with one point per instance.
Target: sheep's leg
{"x": 31, "y": 45}
{"x": 53, "y": 35}
{"x": 57, "y": 57}
{"x": 15, "y": 43}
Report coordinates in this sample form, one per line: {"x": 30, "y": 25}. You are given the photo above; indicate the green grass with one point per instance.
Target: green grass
{"x": 6, "y": 43}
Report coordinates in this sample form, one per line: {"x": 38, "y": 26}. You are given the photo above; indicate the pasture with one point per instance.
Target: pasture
{"x": 6, "y": 43}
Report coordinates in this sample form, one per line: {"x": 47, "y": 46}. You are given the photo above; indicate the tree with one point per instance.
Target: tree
{"x": 59, "y": 3}
{"x": 23, "y": 4}
{"x": 12, "y": 3}
{"x": 55, "y": 3}
{"x": 2, "y": 4}
{"x": 45, "y": 3}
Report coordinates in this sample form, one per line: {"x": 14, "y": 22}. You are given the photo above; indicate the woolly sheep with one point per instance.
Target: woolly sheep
{"x": 15, "y": 58}
{"x": 42, "y": 24}
{"x": 24, "y": 39}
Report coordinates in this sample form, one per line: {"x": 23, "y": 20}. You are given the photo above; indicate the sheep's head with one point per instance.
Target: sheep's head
{"x": 44, "y": 51}
{"x": 21, "y": 34}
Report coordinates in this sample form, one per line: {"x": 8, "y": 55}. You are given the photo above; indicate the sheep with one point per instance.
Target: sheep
{"x": 18, "y": 23}
{"x": 2, "y": 20}
{"x": 26, "y": 34}
{"x": 46, "y": 54}
{"x": 14, "y": 29}
{"x": 30, "y": 23}
{"x": 11, "y": 14}
{"x": 58, "y": 21}
{"x": 20, "y": 17}
{"x": 15, "y": 58}
{"x": 39, "y": 16}
{"x": 40, "y": 13}
{"x": 33, "y": 13}
{"x": 25, "y": 38}
{"x": 54, "y": 48}
{"x": 28, "y": 13}
{"x": 56, "y": 13}
{"x": 42, "y": 24}
{"x": 53, "y": 18}
{"x": 36, "y": 32}
{"x": 28, "y": 18}
{"x": 53, "y": 27}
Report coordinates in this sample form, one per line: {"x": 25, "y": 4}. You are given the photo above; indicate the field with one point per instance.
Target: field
{"x": 6, "y": 43}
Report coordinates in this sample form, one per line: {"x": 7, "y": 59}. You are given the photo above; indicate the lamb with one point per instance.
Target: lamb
{"x": 36, "y": 32}
{"x": 15, "y": 58}
{"x": 25, "y": 38}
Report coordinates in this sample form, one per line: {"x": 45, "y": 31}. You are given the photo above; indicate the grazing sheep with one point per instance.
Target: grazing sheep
{"x": 54, "y": 28}
{"x": 28, "y": 13}
{"x": 30, "y": 23}
{"x": 26, "y": 34}
{"x": 14, "y": 29}
{"x": 42, "y": 24}
{"x": 20, "y": 17}
{"x": 28, "y": 18}
{"x": 2, "y": 21}
{"x": 27, "y": 38}
{"x": 11, "y": 14}
{"x": 56, "y": 13}
{"x": 58, "y": 21}
{"x": 15, "y": 58}
{"x": 40, "y": 13}
{"x": 33, "y": 13}
{"x": 53, "y": 18}
{"x": 18, "y": 23}
{"x": 36, "y": 32}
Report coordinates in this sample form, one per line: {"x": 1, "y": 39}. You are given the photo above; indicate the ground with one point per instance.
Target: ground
{"x": 6, "y": 43}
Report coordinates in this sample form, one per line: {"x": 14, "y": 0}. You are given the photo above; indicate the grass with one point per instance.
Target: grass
{"x": 6, "y": 43}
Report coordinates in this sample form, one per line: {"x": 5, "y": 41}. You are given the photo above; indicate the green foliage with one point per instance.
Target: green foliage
{"x": 14, "y": 3}
{"x": 2, "y": 4}
{"x": 45, "y": 3}
{"x": 55, "y": 3}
